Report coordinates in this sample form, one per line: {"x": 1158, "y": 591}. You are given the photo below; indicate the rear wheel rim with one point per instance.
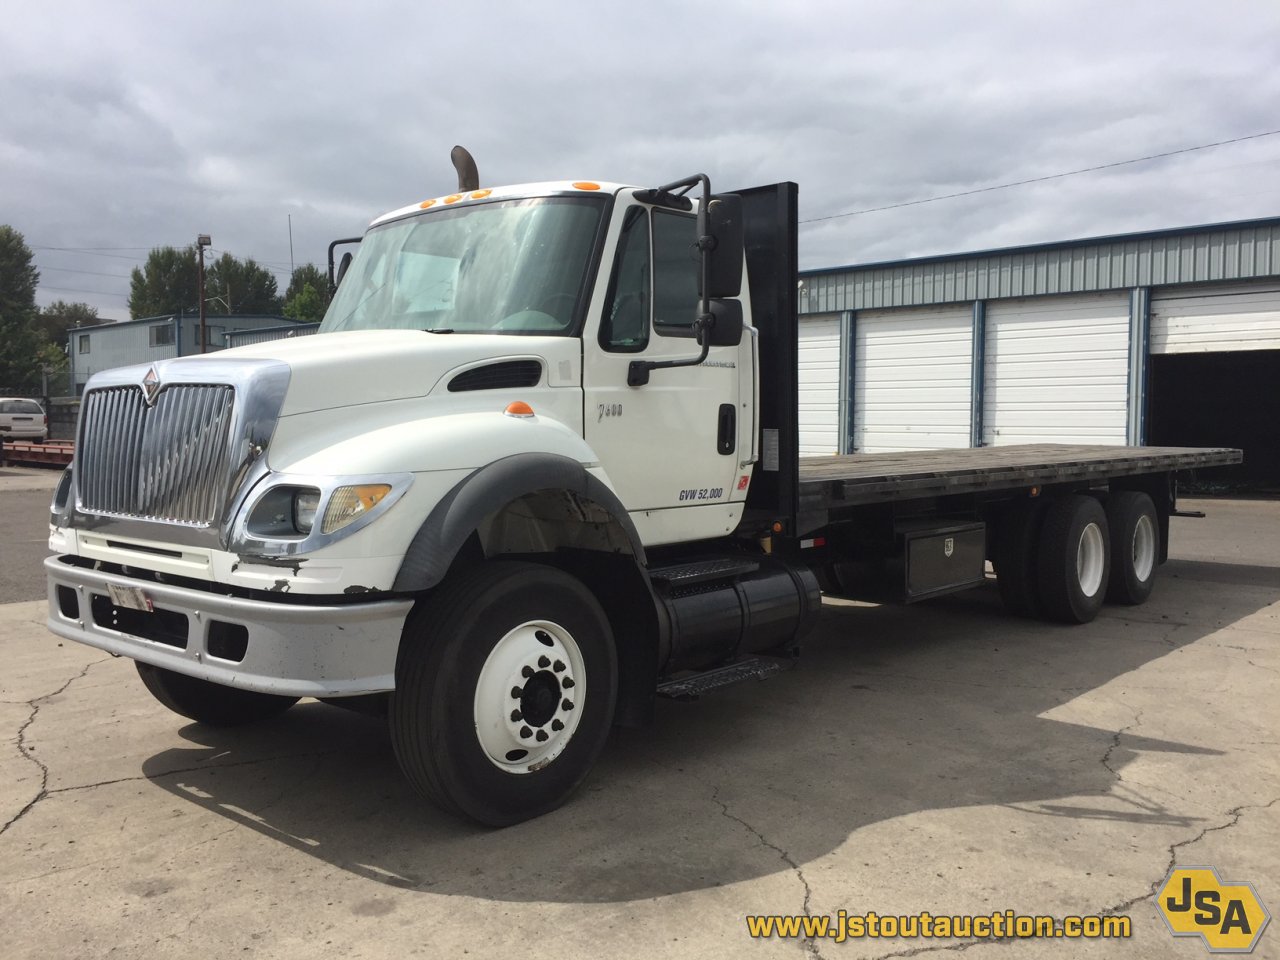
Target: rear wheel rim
{"x": 1144, "y": 548}
{"x": 1090, "y": 559}
{"x": 529, "y": 696}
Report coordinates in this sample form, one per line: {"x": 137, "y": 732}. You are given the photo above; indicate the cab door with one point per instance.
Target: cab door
{"x": 670, "y": 448}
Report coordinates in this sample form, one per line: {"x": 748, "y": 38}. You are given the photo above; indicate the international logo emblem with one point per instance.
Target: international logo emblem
{"x": 151, "y": 386}
{"x": 948, "y": 546}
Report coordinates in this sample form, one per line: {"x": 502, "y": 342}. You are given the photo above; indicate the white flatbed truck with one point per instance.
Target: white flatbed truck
{"x": 539, "y": 467}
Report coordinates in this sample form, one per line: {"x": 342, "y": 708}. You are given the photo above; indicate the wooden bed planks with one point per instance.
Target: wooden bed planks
{"x": 876, "y": 478}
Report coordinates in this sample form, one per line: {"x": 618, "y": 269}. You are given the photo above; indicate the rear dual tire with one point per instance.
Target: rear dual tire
{"x": 1016, "y": 557}
{"x": 1060, "y": 559}
{"x": 1074, "y": 559}
{"x": 1135, "y": 546}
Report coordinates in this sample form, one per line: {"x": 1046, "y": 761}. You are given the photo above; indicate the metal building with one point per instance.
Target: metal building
{"x": 241, "y": 338}
{"x": 1169, "y": 337}
{"x": 108, "y": 345}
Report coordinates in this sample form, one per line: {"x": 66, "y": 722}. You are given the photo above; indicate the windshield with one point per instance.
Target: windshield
{"x": 512, "y": 266}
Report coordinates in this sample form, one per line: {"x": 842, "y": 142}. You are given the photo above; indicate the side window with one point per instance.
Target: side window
{"x": 675, "y": 273}
{"x": 161, "y": 335}
{"x": 625, "y": 327}
{"x": 84, "y": 343}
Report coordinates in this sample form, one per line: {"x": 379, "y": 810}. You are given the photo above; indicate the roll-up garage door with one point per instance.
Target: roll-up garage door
{"x": 1057, "y": 370}
{"x": 1216, "y": 319}
{"x": 911, "y": 382}
{"x": 818, "y": 365}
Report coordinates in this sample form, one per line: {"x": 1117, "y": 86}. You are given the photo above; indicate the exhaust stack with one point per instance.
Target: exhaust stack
{"x": 465, "y": 164}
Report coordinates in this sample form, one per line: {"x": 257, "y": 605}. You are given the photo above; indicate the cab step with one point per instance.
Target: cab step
{"x": 704, "y": 571}
{"x": 694, "y": 685}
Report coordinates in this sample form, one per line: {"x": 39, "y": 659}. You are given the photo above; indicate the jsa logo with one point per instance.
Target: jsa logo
{"x": 1229, "y": 917}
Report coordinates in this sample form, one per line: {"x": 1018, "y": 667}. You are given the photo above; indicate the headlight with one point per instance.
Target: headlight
{"x": 306, "y": 512}
{"x": 348, "y": 503}
{"x": 305, "y": 504}
{"x": 285, "y": 513}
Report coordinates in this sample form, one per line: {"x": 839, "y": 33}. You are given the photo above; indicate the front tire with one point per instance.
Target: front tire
{"x": 210, "y": 703}
{"x": 1074, "y": 559}
{"x": 505, "y": 691}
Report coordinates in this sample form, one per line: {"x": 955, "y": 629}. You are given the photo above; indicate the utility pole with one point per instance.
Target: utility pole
{"x": 203, "y": 241}
{"x": 291, "y": 266}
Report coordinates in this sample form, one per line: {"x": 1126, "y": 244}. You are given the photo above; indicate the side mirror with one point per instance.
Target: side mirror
{"x": 342, "y": 269}
{"x": 727, "y": 329}
{"x": 723, "y": 222}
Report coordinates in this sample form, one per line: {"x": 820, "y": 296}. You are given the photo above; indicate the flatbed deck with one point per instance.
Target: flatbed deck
{"x": 861, "y": 478}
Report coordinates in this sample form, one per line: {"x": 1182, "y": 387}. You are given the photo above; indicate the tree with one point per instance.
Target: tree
{"x": 308, "y": 295}
{"x": 20, "y": 342}
{"x": 58, "y": 317}
{"x": 240, "y": 286}
{"x": 18, "y": 276}
{"x": 50, "y": 326}
{"x": 166, "y": 284}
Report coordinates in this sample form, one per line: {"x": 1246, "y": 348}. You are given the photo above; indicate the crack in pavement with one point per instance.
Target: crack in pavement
{"x": 182, "y": 851}
{"x": 1115, "y": 745}
{"x": 35, "y": 704}
{"x": 953, "y": 947}
{"x": 809, "y": 944}
{"x": 152, "y": 777}
{"x": 1234, "y": 814}
{"x": 44, "y": 792}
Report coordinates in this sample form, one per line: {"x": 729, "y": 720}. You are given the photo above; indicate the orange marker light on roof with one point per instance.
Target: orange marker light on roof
{"x": 480, "y": 194}
{"x": 426, "y": 203}
{"x": 586, "y": 185}
{"x": 518, "y": 408}
{"x": 453, "y": 198}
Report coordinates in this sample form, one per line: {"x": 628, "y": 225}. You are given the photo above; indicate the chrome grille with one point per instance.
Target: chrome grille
{"x": 164, "y": 462}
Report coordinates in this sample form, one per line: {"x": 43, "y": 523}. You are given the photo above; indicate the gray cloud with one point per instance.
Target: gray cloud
{"x": 131, "y": 125}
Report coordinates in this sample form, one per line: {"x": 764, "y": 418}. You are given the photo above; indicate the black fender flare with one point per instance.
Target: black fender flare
{"x": 488, "y": 489}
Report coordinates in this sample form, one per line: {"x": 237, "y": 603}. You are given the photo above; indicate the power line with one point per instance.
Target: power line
{"x": 1051, "y": 176}
{"x": 88, "y": 249}
{"x": 96, "y": 293}
{"x": 92, "y": 253}
{"x": 91, "y": 273}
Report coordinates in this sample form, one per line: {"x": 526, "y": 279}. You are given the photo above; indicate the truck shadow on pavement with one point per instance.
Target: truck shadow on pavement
{"x": 890, "y": 712}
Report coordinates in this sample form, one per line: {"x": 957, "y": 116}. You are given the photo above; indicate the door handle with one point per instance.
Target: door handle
{"x": 727, "y": 434}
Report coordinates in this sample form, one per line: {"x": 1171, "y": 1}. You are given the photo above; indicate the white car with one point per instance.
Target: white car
{"x": 22, "y": 419}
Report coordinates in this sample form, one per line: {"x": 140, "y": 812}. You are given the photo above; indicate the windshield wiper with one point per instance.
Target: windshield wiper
{"x": 438, "y": 330}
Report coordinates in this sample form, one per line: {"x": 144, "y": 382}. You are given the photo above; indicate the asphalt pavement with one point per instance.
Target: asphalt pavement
{"x": 24, "y": 530}
{"x": 941, "y": 757}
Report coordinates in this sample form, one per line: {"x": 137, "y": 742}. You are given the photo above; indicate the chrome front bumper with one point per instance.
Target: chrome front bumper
{"x": 293, "y": 649}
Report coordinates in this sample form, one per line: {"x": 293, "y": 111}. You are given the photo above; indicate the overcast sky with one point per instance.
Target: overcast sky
{"x": 127, "y": 125}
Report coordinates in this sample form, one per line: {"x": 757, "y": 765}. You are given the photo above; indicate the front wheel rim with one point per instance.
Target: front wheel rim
{"x": 529, "y": 696}
{"x": 1144, "y": 548}
{"x": 1090, "y": 559}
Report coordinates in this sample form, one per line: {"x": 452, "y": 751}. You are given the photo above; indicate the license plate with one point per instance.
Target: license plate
{"x": 130, "y": 597}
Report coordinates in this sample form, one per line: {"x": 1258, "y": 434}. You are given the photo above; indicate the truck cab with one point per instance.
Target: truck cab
{"x": 518, "y": 393}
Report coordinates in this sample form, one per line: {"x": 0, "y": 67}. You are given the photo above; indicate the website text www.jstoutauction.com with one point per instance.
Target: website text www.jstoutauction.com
{"x": 1000, "y": 925}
